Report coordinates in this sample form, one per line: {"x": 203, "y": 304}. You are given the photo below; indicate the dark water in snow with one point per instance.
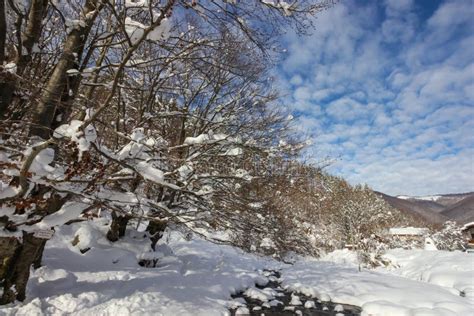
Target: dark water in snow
{"x": 321, "y": 308}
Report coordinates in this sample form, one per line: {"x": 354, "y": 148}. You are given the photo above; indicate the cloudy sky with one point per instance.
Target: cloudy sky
{"x": 387, "y": 89}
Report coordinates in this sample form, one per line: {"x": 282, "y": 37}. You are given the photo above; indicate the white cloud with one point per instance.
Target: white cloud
{"x": 397, "y": 7}
{"x": 395, "y": 30}
{"x": 452, "y": 14}
{"x": 390, "y": 95}
{"x": 450, "y": 173}
{"x": 345, "y": 109}
{"x": 302, "y": 93}
{"x": 322, "y": 94}
{"x": 296, "y": 80}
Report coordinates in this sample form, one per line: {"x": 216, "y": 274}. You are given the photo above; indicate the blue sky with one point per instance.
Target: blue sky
{"x": 387, "y": 89}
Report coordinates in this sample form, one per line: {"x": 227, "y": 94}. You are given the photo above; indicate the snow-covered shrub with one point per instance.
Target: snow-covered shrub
{"x": 274, "y": 208}
{"x": 357, "y": 213}
{"x": 370, "y": 251}
{"x": 406, "y": 243}
{"x": 450, "y": 237}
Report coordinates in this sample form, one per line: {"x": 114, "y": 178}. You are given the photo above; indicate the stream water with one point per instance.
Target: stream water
{"x": 290, "y": 303}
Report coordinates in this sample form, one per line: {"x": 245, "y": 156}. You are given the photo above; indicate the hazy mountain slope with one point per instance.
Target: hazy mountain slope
{"x": 427, "y": 211}
{"x": 435, "y": 209}
{"x": 462, "y": 211}
{"x": 429, "y": 205}
{"x": 449, "y": 200}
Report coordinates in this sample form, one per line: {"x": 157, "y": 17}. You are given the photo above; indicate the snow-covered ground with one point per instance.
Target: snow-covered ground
{"x": 197, "y": 278}
{"x": 396, "y": 291}
{"x": 192, "y": 278}
{"x": 450, "y": 269}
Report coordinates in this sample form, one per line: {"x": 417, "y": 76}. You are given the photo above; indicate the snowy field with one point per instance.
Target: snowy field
{"x": 197, "y": 278}
{"x": 430, "y": 284}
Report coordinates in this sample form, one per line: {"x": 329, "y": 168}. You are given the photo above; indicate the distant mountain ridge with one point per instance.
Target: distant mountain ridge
{"x": 435, "y": 209}
{"x": 462, "y": 211}
{"x": 443, "y": 199}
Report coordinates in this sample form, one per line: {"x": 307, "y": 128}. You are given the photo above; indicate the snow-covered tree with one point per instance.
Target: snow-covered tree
{"x": 359, "y": 213}
{"x": 449, "y": 237}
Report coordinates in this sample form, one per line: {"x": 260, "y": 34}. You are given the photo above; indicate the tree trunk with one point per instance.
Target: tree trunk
{"x": 17, "y": 257}
{"x": 18, "y": 266}
{"x": 156, "y": 229}
{"x": 32, "y": 31}
{"x": 50, "y": 100}
{"x": 8, "y": 246}
{"x": 29, "y": 38}
{"x": 6, "y": 91}
{"x": 118, "y": 227}
{"x": 3, "y": 31}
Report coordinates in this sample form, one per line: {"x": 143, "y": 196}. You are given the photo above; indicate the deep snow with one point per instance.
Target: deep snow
{"x": 377, "y": 292}
{"x": 192, "y": 278}
{"x": 196, "y": 277}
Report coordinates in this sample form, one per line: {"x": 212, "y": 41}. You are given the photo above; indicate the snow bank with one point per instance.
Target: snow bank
{"x": 451, "y": 269}
{"x": 342, "y": 256}
{"x": 377, "y": 292}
